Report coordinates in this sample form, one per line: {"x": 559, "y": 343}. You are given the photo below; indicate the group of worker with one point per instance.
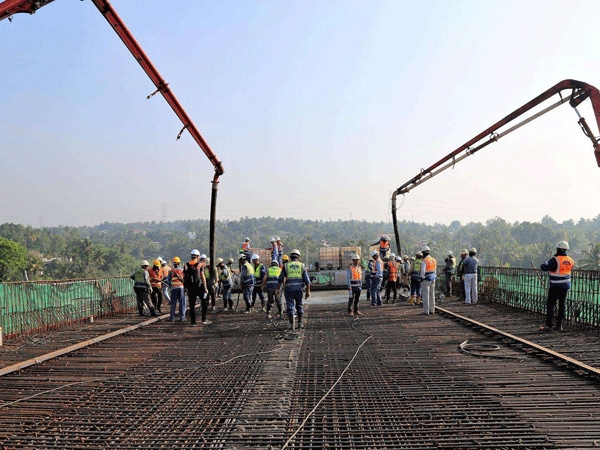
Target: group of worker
{"x": 183, "y": 286}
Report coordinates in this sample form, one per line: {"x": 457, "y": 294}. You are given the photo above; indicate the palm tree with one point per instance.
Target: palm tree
{"x": 591, "y": 258}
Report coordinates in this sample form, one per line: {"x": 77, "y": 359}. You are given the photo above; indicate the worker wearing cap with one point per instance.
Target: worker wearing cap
{"x": 415, "y": 279}
{"x": 166, "y": 287}
{"x": 559, "y": 269}
{"x": 226, "y": 282}
{"x": 155, "y": 273}
{"x": 246, "y": 281}
{"x": 271, "y": 284}
{"x": 428, "y": 275}
{"x": 449, "y": 271}
{"x": 470, "y": 268}
{"x": 260, "y": 273}
{"x": 246, "y": 249}
{"x": 142, "y": 288}
{"x": 376, "y": 279}
{"x": 175, "y": 279}
{"x": 354, "y": 278}
{"x": 460, "y": 272}
{"x": 295, "y": 277}
{"x": 194, "y": 283}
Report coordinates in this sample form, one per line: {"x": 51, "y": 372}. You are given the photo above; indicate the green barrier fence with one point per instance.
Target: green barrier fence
{"x": 527, "y": 289}
{"x": 32, "y": 307}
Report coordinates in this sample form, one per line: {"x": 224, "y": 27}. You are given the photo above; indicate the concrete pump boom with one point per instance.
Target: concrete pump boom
{"x": 580, "y": 92}
{"x": 10, "y": 7}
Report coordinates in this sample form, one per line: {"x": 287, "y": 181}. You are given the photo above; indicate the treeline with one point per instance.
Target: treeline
{"x": 112, "y": 249}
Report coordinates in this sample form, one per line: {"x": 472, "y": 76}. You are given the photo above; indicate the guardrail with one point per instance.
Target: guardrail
{"x": 37, "y": 306}
{"x": 527, "y": 289}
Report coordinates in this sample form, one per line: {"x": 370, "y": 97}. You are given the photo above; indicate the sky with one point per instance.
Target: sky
{"x": 318, "y": 110}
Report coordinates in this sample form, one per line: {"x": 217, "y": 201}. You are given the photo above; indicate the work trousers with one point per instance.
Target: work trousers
{"x": 166, "y": 292}
{"x": 470, "y": 288}
{"x": 177, "y": 297}
{"x": 247, "y": 292}
{"x": 555, "y": 293}
{"x": 193, "y": 294}
{"x": 448, "y": 283}
{"x": 156, "y": 297}
{"x": 227, "y": 301}
{"x": 293, "y": 301}
{"x": 273, "y": 297}
{"x": 415, "y": 287}
{"x": 390, "y": 286}
{"x": 376, "y": 291}
{"x": 143, "y": 298}
{"x": 211, "y": 297}
{"x": 368, "y": 287}
{"x": 257, "y": 291}
{"x": 428, "y": 296}
{"x": 354, "y": 298}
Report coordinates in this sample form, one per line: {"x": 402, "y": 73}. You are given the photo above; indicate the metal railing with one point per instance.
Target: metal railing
{"x": 37, "y": 306}
{"x": 527, "y": 289}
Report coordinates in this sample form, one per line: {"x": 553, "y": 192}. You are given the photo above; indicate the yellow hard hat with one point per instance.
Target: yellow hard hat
{"x": 156, "y": 262}
{"x": 176, "y": 260}
{"x": 286, "y": 258}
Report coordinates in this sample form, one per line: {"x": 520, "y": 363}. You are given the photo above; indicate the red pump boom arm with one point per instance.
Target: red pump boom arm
{"x": 580, "y": 92}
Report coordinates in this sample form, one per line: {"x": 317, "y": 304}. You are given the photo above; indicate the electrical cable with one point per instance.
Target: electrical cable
{"x": 481, "y": 350}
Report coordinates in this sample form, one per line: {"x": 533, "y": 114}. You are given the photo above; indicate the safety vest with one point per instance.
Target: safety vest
{"x": 245, "y": 247}
{"x": 155, "y": 277}
{"x": 248, "y": 279}
{"x": 562, "y": 274}
{"x": 139, "y": 279}
{"x": 355, "y": 275}
{"x": 392, "y": 271}
{"x": 176, "y": 278}
{"x": 294, "y": 270}
{"x": 416, "y": 269}
{"x": 225, "y": 276}
{"x": 209, "y": 280}
{"x": 164, "y": 271}
{"x": 257, "y": 270}
{"x": 384, "y": 245}
{"x": 273, "y": 273}
{"x": 430, "y": 265}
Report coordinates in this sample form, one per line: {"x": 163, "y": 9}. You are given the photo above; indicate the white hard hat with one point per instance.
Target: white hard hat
{"x": 295, "y": 252}
{"x": 405, "y": 257}
{"x": 272, "y": 239}
{"x": 241, "y": 256}
{"x": 450, "y": 253}
{"x": 374, "y": 252}
{"x": 247, "y": 239}
{"x": 425, "y": 248}
{"x": 355, "y": 256}
{"x": 464, "y": 251}
{"x": 160, "y": 259}
{"x": 255, "y": 256}
{"x": 274, "y": 262}
{"x": 202, "y": 256}
{"x": 195, "y": 252}
{"x": 398, "y": 258}
{"x": 472, "y": 250}
{"x": 563, "y": 245}
{"x": 277, "y": 238}
{"x": 392, "y": 255}
{"x": 219, "y": 261}
{"x": 145, "y": 263}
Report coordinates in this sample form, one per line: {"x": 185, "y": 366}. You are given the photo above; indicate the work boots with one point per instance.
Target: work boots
{"x": 153, "y": 312}
{"x": 412, "y": 300}
{"x": 291, "y": 319}
{"x": 300, "y": 324}
{"x": 419, "y": 301}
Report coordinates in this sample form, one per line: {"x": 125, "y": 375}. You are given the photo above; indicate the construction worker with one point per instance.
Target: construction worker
{"x": 279, "y": 251}
{"x": 428, "y": 275}
{"x": 246, "y": 249}
{"x": 354, "y": 278}
{"x": 156, "y": 282}
{"x": 460, "y": 271}
{"x": 415, "y": 280}
{"x": 376, "y": 279}
{"x": 226, "y": 283}
{"x": 166, "y": 287}
{"x": 295, "y": 276}
{"x": 211, "y": 283}
{"x": 384, "y": 246}
{"x": 470, "y": 267}
{"x": 274, "y": 251}
{"x": 449, "y": 270}
{"x": 403, "y": 274}
{"x": 260, "y": 273}
{"x": 559, "y": 270}
{"x": 271, "y": 284}
{"x": 142, "y": 288}
{"x": 391, "y": 272}
{"x": 368, "y": 278}
{"x": 194, "y": 283}
{"x": 246, "y": 281}
{"x": 175, "y": 279}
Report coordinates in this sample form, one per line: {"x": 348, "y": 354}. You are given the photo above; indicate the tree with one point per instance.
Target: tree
{"x": 13, "y": 260}
{"x": 591, "y": 258}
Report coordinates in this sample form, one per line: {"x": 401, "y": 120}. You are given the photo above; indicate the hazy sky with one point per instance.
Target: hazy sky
{"x": 318, "y": 110}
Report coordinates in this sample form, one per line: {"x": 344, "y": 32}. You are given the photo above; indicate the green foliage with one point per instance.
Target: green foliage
{"x": 13, "y": 260}
{"x": 111, "y": 249}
